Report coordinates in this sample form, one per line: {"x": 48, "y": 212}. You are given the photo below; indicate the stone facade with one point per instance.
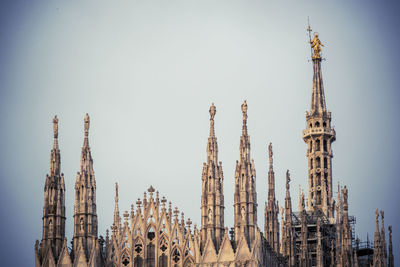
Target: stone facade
{"x": 153, "y": 234}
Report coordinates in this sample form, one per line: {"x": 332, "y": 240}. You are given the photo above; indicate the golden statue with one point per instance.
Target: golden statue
{"x": 316, "y": 45}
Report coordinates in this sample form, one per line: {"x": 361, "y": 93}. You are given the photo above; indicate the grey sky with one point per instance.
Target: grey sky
{"x": 147, "y": 71}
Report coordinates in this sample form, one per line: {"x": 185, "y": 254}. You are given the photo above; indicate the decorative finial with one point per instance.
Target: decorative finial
{"x": 151, "y": 190}
{"x": 138, "y": 203}
{"x": 176, "y": 213}
{"x": 163, "y": 201}
{"x": 87, "y": 124}
{"x": 270, "y": 155}
{"x": 55, "y": 127}
{"x": 316, "y": 45}
{"x": 126, "y": 216}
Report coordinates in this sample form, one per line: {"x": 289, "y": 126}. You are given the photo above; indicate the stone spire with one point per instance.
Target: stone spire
{"x": 85, "y": 215}
{"x": 117, "y": 218}
{"x": 212, "y": 197}
{"x": 287, "y": 233}
{"x": 378, "y": 261}
{"x": 346, "y": 244}
{"x": 391, "y": 258}
{"x": 271, "y": 227}
{"x": 383, "y": 237}
{"x": 319, "y": 136}
{"x": 245, "y": 197}
{"x": 303, "y": 234}
{"x": 54, "y": 204}
{"x": 55, "y": 160}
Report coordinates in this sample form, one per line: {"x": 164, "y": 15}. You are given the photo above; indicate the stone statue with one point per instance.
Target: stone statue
{"x": 213, "y": 110}
{"x": 244, "y": 109}
{"x": 287, "y": 180}
{"x": 210, "y": 215}
{"x": 345, "y": 194}
{"x": 270, "y": 154}
{"x": 55, "y": 126}
{"x": 316, "y": 45}
{"x": 87, "y": 123}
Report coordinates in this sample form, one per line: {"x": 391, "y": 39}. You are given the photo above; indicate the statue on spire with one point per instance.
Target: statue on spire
{"x": 213, "y": 110}
{"x": 270, "y": 155}
{"x": 244, "y": 110}
{"x": 316, "y": 45}
{"x": 116, "y": 192}
{"x": 55, "y": 126}
{"x": 87, "y": 123}
{"x": 287, "y": 180}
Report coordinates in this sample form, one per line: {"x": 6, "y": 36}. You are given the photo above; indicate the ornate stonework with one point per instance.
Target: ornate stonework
{"x": 153, "y": 234}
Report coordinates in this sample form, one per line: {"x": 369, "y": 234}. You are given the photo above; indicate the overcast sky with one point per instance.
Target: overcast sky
{"x": 147, "y": 72}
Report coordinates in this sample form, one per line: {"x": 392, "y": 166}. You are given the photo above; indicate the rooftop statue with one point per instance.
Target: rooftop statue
{"x": 316, "y": 45}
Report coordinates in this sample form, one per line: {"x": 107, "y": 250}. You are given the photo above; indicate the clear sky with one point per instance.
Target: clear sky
{"x": 147, "y": 71}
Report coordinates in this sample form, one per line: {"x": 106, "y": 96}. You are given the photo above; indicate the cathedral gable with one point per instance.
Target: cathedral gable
{"x": 80, "y": 259}
{"x": 226, "y": 252}
{"x": 209, "y": 254}
{"x": 49, "y": 258}
{"x": 64, "y": 260}
{"x": 242, "y": 251}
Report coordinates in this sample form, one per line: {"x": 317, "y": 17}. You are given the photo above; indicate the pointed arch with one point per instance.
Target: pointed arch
{"x": 126, "y": 257}
{"x": 176, "y": 256}
{"x": 189, "y": 262}
{"x": 163, "y": 251}
{"x": 150, "y": 232}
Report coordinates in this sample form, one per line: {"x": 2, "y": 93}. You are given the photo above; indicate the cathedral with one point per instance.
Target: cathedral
{"x": 153, "y": 234}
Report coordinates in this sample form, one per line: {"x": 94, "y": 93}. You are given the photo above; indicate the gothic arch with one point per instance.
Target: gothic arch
{"x": 176, "y": 256}
{"x": 189, "y": 262}
{"x": 126, "y": 257}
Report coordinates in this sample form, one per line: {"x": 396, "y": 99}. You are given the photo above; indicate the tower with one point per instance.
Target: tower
{"x": 85, "y": 217}
{"x": 54, "y": 204}
{"x": 271, "y": 227}
{"x": 319, "y": 136}
{"x": 245, "y": 197}
{"x": 212, "y": 194}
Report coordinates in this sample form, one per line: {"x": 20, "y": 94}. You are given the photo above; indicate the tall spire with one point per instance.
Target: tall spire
{"x": 383, "y": 237}
{"x": 245, "y": 139}
{"x": 318, "y": 97}
{"x": 287, "y": 233}
{"x": 54, "y": 203}
{"x": 85, "y": 215}
{"x": 319, "y": 136}
{"x": 212, "y": 146}
{"x": 271, "y": 226}
{"x": 245, "y": 197}
{"x": 391, "y": 258}
{"x": 378, "y": 260}
{"x": 271, "y": 175}
{"x": 117, "y": 218}
{"x": 212, "y": 197}
{"x": 55, "y": 160}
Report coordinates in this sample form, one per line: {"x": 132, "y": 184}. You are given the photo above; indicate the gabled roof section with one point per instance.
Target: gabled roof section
{"x": 226, "y": 251}
{"x": 209, "y": 254}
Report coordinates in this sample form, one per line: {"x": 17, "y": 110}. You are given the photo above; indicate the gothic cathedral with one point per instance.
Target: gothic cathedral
{"x": 153, "y": 234}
